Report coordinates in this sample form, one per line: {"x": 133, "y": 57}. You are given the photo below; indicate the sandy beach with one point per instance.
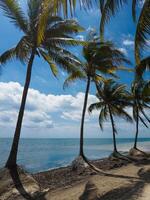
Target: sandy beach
{"x": 121, "y": 180}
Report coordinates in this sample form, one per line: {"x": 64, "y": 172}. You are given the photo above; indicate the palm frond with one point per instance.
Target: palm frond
{"x": 43, "y": 17}
{"x": 8, "y": 55}
{"x": 134, "y": 3}
{"x": 102, "y": 117}
{"x": 23, "y": 49}
{"x": 63, "y": 27}
{"x": 74, "y": 76}
{"x": 33, "y": 12}
{"x": 102, "y": 4}
{"x": 143, "y": 66}
{"x": 110, "y": 9}
{"x": 142, "y": 31}
{"x": 13, "y": 11}
{"x": 63, "y": 60}
{"x": 143, "y": 122}
{"x": 66, "y": 41}
{"x": 48, "y": 59}
{"x": 122, "y": 113}
{"x": 118, "y": 89}
{"x": 95, "y": 106}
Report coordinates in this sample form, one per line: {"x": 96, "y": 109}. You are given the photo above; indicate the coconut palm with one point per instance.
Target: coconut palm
{"x": 112, "y": 103}
{"x": 110, "y": 9}
{"x": 141, "y": 101}
{"x": 101, "y": 58}
{"x": 51, "y": 47}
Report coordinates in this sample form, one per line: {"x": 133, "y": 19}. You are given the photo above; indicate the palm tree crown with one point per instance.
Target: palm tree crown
{"x": 57, "y": 36}
{"x": 113, "y": 99}
{"x": 101, "y": 58}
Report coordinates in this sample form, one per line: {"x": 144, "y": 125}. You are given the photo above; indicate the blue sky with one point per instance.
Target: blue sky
{"x": 51, "y": 111}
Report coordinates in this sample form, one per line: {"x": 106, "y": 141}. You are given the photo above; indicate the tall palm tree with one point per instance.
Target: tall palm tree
{"x": 112, "y": 103}
{"x": 142, "y": 35}
{"x": 141, "y": 101}
{"x": 50, "y": 46}
{"x": 101, "y": 58}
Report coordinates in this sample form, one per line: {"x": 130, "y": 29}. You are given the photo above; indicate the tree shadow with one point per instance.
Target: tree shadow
{"x": 128, "y": 192}
{"x": 123, "y": 193}
{"x": 19, "y": 186}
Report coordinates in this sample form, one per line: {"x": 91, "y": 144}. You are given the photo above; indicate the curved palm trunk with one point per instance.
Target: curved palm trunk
{"x": 81, "y": 152}
{"x": 12, "y": 159}
{"x": 137, "y": 129}
{"x": 113, "y": 128}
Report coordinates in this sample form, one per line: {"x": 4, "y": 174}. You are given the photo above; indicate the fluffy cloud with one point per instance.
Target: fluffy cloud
{"x": 128, "y": 42}
{"x": 40, "y": 107}
{"x": 52, "y": 115}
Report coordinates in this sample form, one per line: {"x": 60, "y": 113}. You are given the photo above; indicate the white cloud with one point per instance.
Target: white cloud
{"x": 128, "y": 42}
{"x": 40, "y": 107}
{"x": 52, "y": 115}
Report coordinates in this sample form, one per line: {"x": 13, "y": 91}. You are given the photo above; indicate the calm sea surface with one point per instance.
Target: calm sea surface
{"x": 42, "y": 154}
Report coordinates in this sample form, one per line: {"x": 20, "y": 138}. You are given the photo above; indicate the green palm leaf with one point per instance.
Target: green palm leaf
{"x": 74, "y": 76}
{"x": 48, "y": 59}
{"x": 142, "y": 31}
{"x": 8, "y": 55}
{"x": 13, "y": 11}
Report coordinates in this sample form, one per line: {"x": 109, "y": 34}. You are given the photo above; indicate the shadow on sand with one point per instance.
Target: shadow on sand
{"x": 128, "y": 192}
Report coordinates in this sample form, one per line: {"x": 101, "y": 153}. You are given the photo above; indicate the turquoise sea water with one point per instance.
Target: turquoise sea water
{"x": 42, "y": 154}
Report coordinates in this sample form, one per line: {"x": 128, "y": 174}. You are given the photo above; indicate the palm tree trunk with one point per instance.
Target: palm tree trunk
{"x": 12, "y": 159}
{"x": 113, "y": 128}
{"x": 81, "y": 152}
{"x": 137, "y": 129}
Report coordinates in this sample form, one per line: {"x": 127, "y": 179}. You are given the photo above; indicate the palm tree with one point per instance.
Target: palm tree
{"x": 100, "y": 58}
{"x": 50, "y": 46}
{"x": 112, "y": 103}
{"x": 141, "y": 99}
{"x": 111, "y": 7}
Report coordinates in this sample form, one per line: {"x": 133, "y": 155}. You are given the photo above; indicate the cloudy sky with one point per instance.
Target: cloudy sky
{"x": 50, "y": 110}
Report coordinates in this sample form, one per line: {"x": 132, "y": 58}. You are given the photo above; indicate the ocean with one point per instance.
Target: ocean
{"x": 37, "y": 155}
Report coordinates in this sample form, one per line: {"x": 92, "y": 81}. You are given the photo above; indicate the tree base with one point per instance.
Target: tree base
{"x": 135, "y": 152}
{"x": 114, "y": 155}
{"x": 118, "y": 156}
{"x": 18, "y": 184}
{"x": 79, "y": 164}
